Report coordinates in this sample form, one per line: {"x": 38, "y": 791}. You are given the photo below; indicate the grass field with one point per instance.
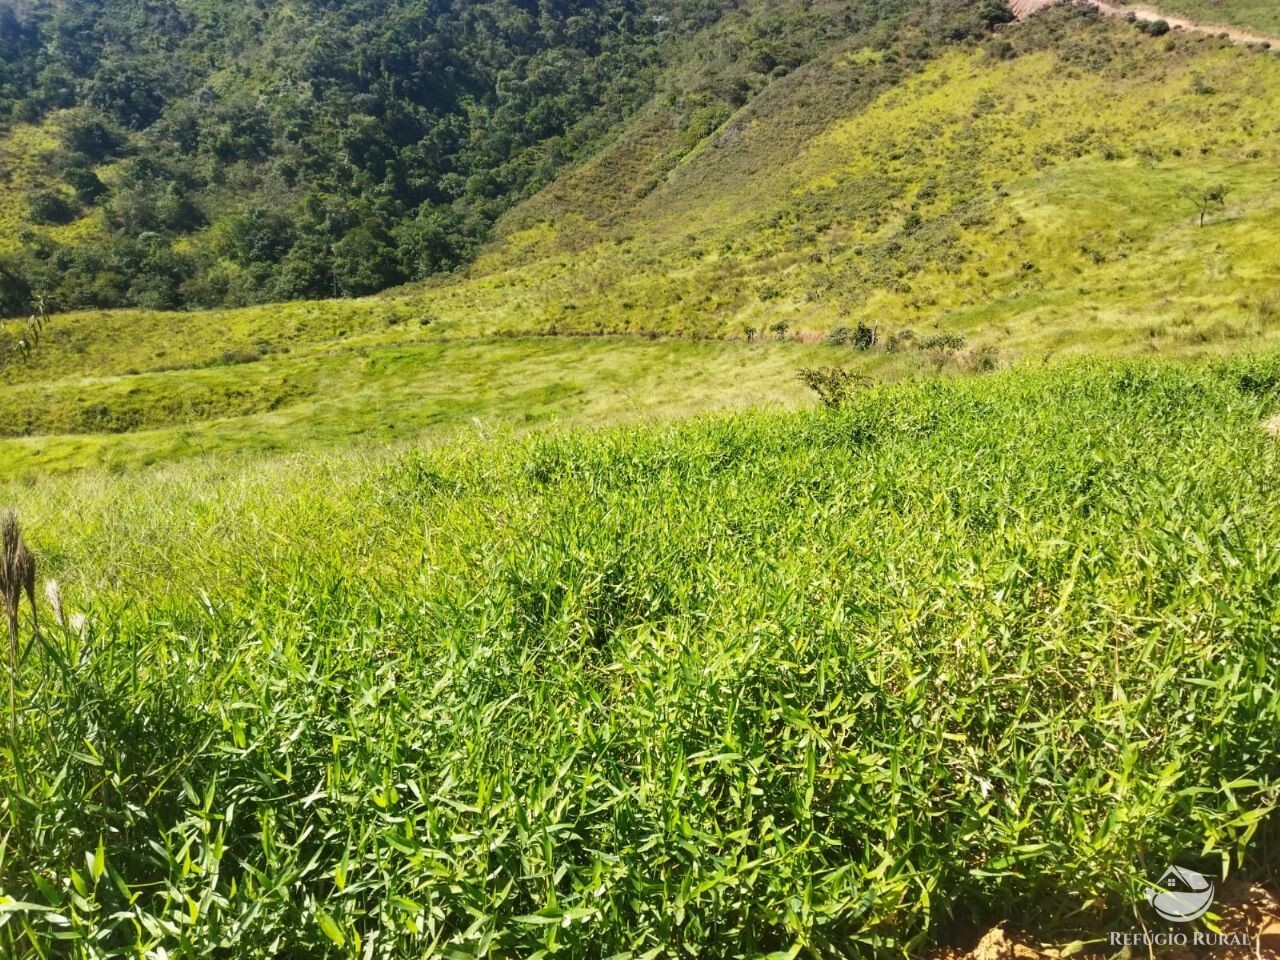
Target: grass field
{"x": 336, "y": 396}
{"x": 810, "y": 683}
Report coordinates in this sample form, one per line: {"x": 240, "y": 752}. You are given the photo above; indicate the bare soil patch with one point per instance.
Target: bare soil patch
{"x": 1025, "y": 8}
{"x": 1245, "y": 908}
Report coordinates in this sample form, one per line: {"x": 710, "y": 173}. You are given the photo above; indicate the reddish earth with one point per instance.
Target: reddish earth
{"x": 1245, "y": 910}
{"x": 1025, "y": 8}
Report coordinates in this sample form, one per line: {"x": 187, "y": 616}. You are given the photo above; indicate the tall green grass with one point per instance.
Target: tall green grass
{"x": 804, "y": 684}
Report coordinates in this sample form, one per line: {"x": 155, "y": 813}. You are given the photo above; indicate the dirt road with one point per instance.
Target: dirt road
{"x": 1024, "y": 8}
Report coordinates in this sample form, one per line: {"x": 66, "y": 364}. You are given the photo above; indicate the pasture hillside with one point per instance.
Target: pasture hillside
{"x": 1021, "y": 197}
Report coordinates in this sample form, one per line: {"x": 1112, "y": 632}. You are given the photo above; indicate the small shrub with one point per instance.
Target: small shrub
{"x": 985, "y": 359}
{"x": 50, "y": 207}
{"x": 780, "y": 330}
{"x": 999, "y": 50}
{"x": 900, "y": 340}
{"x": 861, "y": 336}
{"x": 942, "y": 341}
{"x": 86, "y": 184}
{"x": 839, "y": 336}
{"x": 835, "y": 386}
{"x": 939, "y": 357}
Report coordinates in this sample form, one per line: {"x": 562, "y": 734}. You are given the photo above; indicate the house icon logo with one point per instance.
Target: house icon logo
{"x": 1183, "y": 895}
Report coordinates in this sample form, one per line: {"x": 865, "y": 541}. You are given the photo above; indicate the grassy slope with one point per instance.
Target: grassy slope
{"x": 25, "y": 167}
{"x": 1006, "y": 164}
{"x": 986, "y": 649}
{"x": 334, "y": 397}
{"x": 1030, "y": 204}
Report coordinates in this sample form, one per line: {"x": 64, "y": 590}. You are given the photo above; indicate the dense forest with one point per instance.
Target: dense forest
{"x": 248, "y": 151}
{"x": 199, "y": 153}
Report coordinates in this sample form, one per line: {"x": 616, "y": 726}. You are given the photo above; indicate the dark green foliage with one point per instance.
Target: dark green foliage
{"x": 86, "y": 184}
{"x": 436, "y": 240}
{"x": 417, "y": 121}
{"x": 89, "y": 134}
{"x": 144, "y": 271}
{"x": 50, "y": 206}
{"x": 257, "y": 235}
{"x": 839, "y": 336}
{"x": 15, "y": 294}
{"x": 862, "y": 336}
{"x": 364, "y": 261}
{"x": 335, "y": 149}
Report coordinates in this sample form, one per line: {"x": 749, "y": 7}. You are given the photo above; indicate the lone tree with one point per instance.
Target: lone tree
{"x": 1206, "y": 199}
{"x": 835, "y": 386}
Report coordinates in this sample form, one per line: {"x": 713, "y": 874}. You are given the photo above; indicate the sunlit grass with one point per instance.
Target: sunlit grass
{"x": 842, "y": 684}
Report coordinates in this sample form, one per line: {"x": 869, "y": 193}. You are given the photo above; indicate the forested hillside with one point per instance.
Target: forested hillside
{"x": 168, "y": 153}
{"x": 208, "y": 153}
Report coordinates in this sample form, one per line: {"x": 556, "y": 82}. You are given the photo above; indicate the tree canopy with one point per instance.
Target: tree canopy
{"x": 315, "y": 148}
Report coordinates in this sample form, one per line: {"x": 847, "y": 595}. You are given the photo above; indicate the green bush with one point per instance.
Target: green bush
{"x": 835, "y": 386}
{"x": 838, "y": 336}
{"x": 86, "y": 184}
{"x": 50, "y": 207}
{"x": 941, "y": 341}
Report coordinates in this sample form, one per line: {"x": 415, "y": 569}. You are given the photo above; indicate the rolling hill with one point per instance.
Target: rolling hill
{"x": 1023, "y": 193}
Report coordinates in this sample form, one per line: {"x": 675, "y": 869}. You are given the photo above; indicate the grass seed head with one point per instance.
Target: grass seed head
{"x": 17, "y": 569}
{"x": 53, "y": 594}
